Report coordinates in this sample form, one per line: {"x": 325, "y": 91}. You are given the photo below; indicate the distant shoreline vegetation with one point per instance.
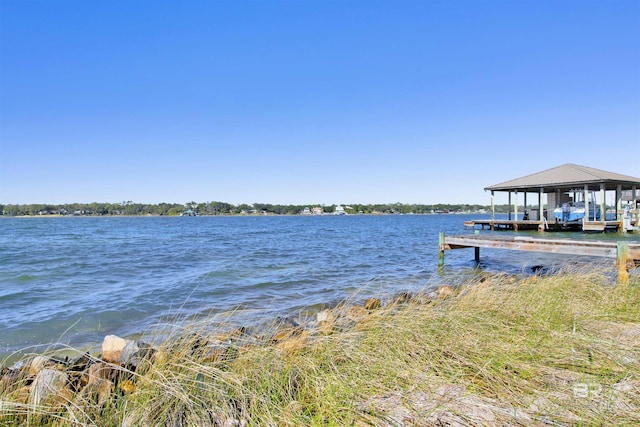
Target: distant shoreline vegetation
{"x": 130, "y": 208}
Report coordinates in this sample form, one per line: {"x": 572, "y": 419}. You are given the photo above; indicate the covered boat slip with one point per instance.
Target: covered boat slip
{"x": 576, "y": 198}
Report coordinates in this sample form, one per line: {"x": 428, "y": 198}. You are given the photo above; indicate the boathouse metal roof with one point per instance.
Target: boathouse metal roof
{"x": 567, "y": 176}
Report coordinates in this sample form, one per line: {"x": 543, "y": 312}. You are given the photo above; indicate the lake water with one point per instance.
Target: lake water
{"x": 74, "y": 280}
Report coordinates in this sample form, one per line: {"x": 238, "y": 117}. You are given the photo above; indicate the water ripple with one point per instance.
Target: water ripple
{"x": 80, "y": 278}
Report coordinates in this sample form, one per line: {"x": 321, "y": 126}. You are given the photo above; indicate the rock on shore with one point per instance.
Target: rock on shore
{"x": 56, "y": 381}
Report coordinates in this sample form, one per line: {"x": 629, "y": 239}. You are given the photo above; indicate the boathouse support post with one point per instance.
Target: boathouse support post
{"x": 441, "y": 249}
{"x": 493, "y": 209}
{"x": 541, "y": 209}
{"x": 515, "y": 211}
{"x": 493, "y": 206}
{"x": 634, "y": 197}
{"x": 621, "y": 261}
{"x": 603, "y": 206}
{"x": 586, "y": 204}
{"x": 634, "y": 206}
{"x": 509, "y": 203}
{"x": 619, "y": 206}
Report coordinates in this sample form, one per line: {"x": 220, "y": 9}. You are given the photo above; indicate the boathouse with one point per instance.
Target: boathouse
{"x": 569, "y": 197}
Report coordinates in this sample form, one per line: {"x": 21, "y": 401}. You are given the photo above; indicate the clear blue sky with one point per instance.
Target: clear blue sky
{"x": 308, "y": 102}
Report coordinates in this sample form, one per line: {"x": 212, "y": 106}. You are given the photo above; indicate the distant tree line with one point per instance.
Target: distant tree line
{"x": 129, "y": 208}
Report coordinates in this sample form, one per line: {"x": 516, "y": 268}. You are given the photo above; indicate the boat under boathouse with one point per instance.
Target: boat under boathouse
{"x": 571, "y": 197}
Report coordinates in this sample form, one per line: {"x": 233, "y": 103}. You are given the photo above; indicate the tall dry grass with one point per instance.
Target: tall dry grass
{"x": 559, "y": 350}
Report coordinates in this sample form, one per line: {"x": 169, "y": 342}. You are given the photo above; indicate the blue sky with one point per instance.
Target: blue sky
{"x": 309, "y": 102}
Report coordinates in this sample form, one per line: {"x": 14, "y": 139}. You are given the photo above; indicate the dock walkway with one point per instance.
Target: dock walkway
{"x": 504, "y": 224}
{"x": 622, "y": 251}
{"x": 495, "y": 224}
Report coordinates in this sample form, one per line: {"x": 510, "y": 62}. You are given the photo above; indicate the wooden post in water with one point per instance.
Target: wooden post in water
{"x": 441, "y": 249}
{"x": 477, "y": 250}
{"x": 621, "y": 260}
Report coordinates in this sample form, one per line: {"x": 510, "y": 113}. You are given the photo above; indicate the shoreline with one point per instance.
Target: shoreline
{"x": 301, "y": 315}
{"x": 304, "y": 317}
{"x": 495, "y": 350}
{"x": 254, "y": 215}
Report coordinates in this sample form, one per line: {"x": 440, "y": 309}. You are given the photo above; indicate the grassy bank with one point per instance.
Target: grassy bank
{"x": 561, "y": 349}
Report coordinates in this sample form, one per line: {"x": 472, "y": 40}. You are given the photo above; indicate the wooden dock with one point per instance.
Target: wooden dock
{"x": 623, "y": 252}
{"x": 503, "y": 224}
{"x": 496, "y": 224}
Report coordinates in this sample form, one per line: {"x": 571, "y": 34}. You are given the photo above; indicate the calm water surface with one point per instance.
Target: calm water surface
{"x": 74, "y": 280}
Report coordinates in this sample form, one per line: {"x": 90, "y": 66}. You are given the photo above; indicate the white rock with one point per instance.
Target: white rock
{"x": 112, "y": 348}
